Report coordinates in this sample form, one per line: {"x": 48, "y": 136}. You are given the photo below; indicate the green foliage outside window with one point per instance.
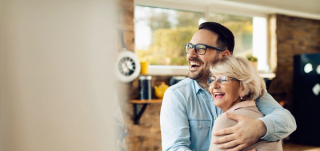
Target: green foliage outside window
{"x": 167, "y": 47}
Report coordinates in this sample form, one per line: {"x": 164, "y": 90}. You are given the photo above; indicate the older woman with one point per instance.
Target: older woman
{"x": 234, "y": 85}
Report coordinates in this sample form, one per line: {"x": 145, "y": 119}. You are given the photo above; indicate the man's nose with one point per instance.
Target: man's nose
{"x": 192, "y": 52}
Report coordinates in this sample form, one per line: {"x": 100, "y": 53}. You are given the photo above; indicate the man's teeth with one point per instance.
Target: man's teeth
{"x": 195, "y": 63}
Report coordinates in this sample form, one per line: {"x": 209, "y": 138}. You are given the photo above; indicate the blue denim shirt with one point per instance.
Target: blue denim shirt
{"x": 188, "y": 114}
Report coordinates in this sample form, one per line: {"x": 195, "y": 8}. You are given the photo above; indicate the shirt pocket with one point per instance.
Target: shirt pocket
{"x": 200, "y": 134}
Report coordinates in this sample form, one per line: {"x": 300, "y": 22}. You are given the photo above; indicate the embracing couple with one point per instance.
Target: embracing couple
{"x": 223, "y": 105}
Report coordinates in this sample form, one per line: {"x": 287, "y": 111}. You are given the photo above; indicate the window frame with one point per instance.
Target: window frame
{"x": 220, "y": 7}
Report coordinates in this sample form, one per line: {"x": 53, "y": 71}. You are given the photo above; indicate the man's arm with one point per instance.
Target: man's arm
{"x": 279, "y": 122}
{"x": 174, "y": 123}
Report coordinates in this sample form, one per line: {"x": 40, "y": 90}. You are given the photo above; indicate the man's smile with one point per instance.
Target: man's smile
{"x": 195, "y": 64}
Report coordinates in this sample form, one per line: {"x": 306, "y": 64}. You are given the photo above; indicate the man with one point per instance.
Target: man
{"x": 188, "y": 114}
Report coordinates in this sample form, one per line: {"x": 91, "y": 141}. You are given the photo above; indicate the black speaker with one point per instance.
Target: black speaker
{"x": 306, "y": 99}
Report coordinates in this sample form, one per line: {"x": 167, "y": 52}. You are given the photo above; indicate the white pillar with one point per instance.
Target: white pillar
{"x": 56, "y": 82}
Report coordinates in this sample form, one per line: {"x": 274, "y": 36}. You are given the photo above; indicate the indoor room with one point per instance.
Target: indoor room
{"x": 152, "y": 75}
{"x": 276, "y": 36}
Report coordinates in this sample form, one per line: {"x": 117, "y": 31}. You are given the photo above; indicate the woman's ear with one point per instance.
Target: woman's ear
{"x": 243, "y": 91}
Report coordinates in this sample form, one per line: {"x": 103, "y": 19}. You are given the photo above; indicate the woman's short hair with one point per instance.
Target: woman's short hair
{"x": 242, "y": 70}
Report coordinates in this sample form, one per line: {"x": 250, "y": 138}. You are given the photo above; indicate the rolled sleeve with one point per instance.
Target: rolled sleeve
{"x": 279, "y": 122}
{"x": 174, "y": 123}
{"x": 270, "y": 128}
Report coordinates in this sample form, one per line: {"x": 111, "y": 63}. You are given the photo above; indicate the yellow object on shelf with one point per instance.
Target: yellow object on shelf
{"x": 159, "y": 90}
{"x": 144, "y": 67}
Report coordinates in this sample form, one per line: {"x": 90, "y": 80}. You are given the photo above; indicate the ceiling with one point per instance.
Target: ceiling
{"x": 300, "y": 8}
{"x": 306, "y": 6}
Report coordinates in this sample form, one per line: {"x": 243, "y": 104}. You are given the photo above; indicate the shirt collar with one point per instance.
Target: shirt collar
{"x": 196, "y": 86}
{"x": 242, "y": 105}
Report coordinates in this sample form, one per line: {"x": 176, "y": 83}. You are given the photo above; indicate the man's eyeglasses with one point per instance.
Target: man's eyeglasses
{"x": 199, "y": 48}
{"x": 221, "y": 79}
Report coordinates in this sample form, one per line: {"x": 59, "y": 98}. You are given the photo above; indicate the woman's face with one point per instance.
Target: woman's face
{"x": 225, "y": 91}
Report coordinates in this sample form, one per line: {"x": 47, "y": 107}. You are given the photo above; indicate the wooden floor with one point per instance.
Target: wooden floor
{"x": 297, "y": 147}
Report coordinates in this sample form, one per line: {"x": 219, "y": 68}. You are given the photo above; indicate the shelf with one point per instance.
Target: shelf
{"x": 145, "y": 101}
{"x": 138, "y": 111}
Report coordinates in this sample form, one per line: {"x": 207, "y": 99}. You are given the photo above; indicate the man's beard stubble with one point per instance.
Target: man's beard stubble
{"x": 203, "y": 75}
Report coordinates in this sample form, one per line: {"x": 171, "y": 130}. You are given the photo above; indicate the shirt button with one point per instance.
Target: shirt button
{"x": 214, "y": 118}
{"x": 200, "y": 126}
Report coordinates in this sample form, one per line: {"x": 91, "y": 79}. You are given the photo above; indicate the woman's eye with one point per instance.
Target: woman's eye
{"x": 211, "y": 80}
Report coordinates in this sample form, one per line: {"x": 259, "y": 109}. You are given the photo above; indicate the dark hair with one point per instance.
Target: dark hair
{"x": 225, "y": 36}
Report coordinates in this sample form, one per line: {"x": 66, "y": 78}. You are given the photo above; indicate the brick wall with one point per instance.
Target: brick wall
{"x": 294, "y": 35}
{"x": 146, "y": 136}
{"x": 126, "y": 22}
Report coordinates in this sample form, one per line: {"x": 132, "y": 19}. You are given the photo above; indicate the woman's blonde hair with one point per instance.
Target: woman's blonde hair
{"x": 242, "y": 70}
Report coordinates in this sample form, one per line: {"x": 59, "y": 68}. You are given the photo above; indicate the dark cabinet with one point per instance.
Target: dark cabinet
{"x": 306, "y": 99}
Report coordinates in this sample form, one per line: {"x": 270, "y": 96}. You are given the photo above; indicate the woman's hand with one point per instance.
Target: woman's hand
{"x": 245, "y": 133}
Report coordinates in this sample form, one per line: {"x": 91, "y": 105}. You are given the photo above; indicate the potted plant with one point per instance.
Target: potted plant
{"x": 253, "y": 60}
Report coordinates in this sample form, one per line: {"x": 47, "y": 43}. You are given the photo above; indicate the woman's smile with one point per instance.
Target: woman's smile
{"x": 218, "y": 95}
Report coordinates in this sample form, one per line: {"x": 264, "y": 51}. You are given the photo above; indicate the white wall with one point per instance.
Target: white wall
{"x": 56, "y": 79}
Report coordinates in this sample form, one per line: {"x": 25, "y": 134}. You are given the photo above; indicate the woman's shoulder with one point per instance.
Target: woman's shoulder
{"x": 223, "y": 121}
{"x": 250, "y": 111}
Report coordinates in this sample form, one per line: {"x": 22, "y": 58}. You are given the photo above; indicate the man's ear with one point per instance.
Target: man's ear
{"x": 225, "y": 53}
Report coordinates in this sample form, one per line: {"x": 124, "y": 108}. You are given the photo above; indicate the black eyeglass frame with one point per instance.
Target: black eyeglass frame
{"x": 195, "y": 46}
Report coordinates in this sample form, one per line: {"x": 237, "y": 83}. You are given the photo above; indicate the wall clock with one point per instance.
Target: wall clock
{"x": 128, "y": 64}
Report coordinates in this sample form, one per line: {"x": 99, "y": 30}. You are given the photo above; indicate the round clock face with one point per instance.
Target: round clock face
{"x": 127, "y": 66}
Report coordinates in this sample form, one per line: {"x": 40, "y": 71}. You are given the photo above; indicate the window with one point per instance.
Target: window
{"x": 160, "y": 34}
{"x": 241, "y": 27}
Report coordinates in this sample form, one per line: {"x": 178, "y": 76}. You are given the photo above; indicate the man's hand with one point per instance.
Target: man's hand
{"x": 244, "y": 134}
